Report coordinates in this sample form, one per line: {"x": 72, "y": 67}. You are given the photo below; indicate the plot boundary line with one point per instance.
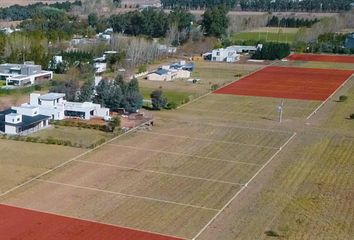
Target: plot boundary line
{"x": 245, "y": 186}
{"x": 159, "y": 172}
{"x": 127, "y": 195}
{"x": 184, "y": 154}
{"x": 208, "y": 140}
{"x": 330, "y": 96}
{"x": 92, "y": 221}
{"x": 233, "y": 126}
{"x": 70, "y": 160}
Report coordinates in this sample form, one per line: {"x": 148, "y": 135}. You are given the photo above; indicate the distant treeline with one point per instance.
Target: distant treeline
{"x": 291, "y": 22}
{"x": 18, "y": 13}
{"x": 264, "y": 5}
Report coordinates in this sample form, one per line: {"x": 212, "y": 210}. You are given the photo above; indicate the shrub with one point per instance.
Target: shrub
{"x": 171, "y": 105}
{"x": 271, "y": 233}
{"x": 214, "y": 87}
{"x": 343, "y": 98}
{"x": 351, "y": 116}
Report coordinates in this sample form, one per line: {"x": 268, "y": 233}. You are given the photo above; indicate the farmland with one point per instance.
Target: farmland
{"x": 218, "y": 167}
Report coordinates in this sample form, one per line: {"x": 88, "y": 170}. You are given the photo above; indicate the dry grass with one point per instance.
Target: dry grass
{"x": 6, "y": 3}
{"x": 20, "y": 161}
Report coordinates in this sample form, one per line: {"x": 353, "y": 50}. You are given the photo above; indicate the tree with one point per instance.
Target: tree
{"x": 215, "y": 21}
{"x": 87, "y": 91}
{"x": 92, "y": 19}
{"x": 70, "y": 88}
{"x": 132, "y": 99}
{"x": 109, "y": 94}
{"x": 158, "y": 100}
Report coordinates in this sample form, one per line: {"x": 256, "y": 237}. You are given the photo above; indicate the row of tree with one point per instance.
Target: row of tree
{"x": 198, "y": 4}
{"x": 296, "y": 5}
{"x": 264, "y": 5}
{"x": 291, "y": 22}
{"x": 272, "y": 51}
{"x": 18, "y": 12}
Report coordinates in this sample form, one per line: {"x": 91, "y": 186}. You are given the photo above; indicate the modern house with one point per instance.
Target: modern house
{"x": 56, "y": 107}
{"x": 349, "y": 41}
{"x": 23, "y": 74}
{"x": 22, "y": 121}
{"x": 230, "y": 54}
{"x": 181, "y": 70}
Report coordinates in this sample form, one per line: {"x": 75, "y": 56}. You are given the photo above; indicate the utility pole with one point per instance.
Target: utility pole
{"x": 280, "y": 110}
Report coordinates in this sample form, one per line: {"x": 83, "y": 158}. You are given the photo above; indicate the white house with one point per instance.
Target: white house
{"x": 23, "y": 74}
{"x": 54, "y": 106}
{"x": 22, "y": 121}
{"x": 181, "y": 70}
{"x": 231, "y": 53}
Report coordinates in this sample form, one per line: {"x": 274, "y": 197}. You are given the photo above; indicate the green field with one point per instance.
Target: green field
{"x": 288, "y": 37}
{"x": 172, "y": 96}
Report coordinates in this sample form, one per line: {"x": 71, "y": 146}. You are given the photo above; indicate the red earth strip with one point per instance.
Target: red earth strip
{"x": 22, "y": 224}
{"x": 321, "y": 58}
{"x": 289, "y": 83}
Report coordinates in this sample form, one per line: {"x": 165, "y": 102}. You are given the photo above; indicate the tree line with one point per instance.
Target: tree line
{"x": 264, "y": 5}
{"x": 19, "y": 13}
{"x": 291, "y": 22}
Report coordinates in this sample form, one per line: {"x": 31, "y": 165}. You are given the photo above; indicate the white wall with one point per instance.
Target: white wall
{"x": 11, "y": 130}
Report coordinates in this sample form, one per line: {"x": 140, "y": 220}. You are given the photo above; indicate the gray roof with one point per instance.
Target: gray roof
{"x": 51, "y": 96}
{"x": 161, "y": 71}
{"x": 26, "y": 120}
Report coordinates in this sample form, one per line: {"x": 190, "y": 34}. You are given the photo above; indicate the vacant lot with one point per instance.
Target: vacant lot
{"x": 20, "y": 161}
{"x": 171, "y": 180}
{"x": 79, "y": 137}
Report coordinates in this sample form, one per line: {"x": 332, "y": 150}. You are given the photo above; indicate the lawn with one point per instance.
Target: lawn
{"x": 172, "y": 96}
{"x": 80, "y": 137}
{"x": 287, "y": 37}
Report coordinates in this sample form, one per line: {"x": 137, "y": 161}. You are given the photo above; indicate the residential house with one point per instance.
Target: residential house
{"x": 181, "y": 70}
{"x": 22, "y": 120}
{"x": 56, "y": 107}
{"x": 23, "y": 74}
{"x": 230, "y": 54}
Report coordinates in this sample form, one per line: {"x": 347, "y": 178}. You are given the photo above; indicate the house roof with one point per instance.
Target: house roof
{"x": 161, "y": 71}
{"x": 26, "y": 120}
{"x": 51, "y": 96}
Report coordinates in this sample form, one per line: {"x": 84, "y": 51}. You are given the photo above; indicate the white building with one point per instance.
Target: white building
{"x": 22, "y": 121}
{"x": 54, "y": 106}
{"x": 231, "y": 53}
{"x": 23, "y": 74}
{"x": 181, "y": 70}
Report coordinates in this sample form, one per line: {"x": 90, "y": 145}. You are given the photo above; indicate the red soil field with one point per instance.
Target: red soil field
{"x": 289, "y": 82}
{"x": 321, "y": 58}
{"x": 22, "y": 224}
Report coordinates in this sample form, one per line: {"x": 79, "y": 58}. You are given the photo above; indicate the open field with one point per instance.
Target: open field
{"x": 323, "y": 65}
{"x": 289, "y": 82}
{"x": 171, "y": 180}
{"x": 20, "y": 161}
{"x": 271, "y": 36}
{"x": 77, "y": 136}
{"x": 219, "y": 167}
{"x": 172, "y": 96}
{"x": 209, "y": 73}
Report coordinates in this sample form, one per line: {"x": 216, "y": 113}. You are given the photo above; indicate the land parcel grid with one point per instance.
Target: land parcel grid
{"x": 289, "y": 83}
{"x": 172, "y": 180}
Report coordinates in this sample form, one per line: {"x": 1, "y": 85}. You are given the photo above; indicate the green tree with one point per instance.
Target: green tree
{"x": 215, "y": 21}
{"x": 87, "y": 91}
{"x": 158, "y": 100}
{"x": 132, "y": 99}
{"x": 109, "y": 94}
{"x": 92, "y": 19}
